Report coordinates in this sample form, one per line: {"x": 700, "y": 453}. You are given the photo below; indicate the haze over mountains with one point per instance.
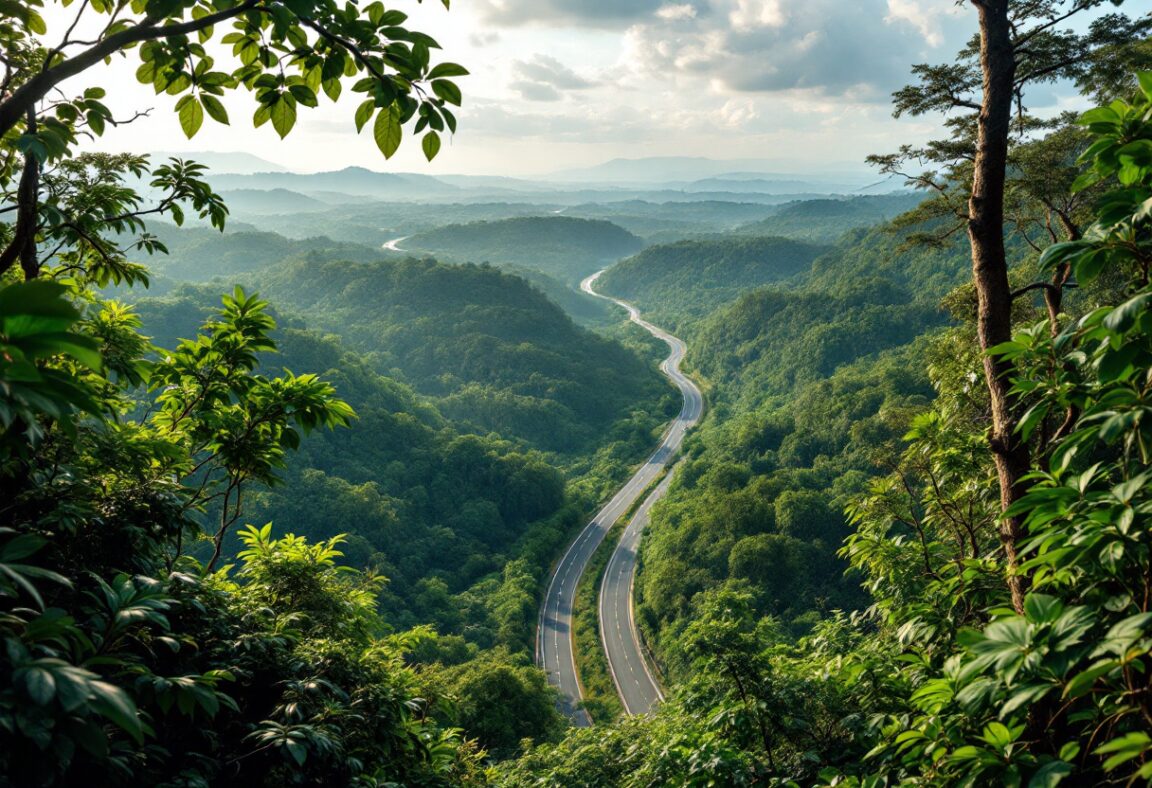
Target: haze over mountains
{"x": 662, "y": 179}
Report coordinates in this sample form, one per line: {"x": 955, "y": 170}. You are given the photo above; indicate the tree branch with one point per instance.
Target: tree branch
{"x": 1041, "y": 286}
{"x": 345, "y": 44}
{"x": 67, "y": 36}
{"x": 23, "y": 244}
{"x": 1051, "y": 23}
{"x": 24, "y": 98}
{"x": 1043, "y": 72}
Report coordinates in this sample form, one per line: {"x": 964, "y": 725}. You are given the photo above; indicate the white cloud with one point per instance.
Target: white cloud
{"x": 578, "y": 13}
{"x": 928, "y": 20}
{"x": 863, "y": 48}
{"x": 674, "y": 12}
{"x": 738, "y": 113}
{"x": 754, "y": 14}
{"x": 544, "y": 78}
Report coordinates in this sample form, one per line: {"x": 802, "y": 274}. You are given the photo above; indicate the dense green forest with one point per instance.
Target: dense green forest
{"x": 494, "y": 350}
{"x": 824, "y": 221}
{"x": 563, "y": 247}
{"x": 682, "y": 281}
{"x": 200, "y": 254}
{"x": 278, "y": 506}
{"x": 831, "y": 586}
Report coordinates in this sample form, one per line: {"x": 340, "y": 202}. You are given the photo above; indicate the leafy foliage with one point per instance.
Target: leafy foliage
{"x": 936, "y": 679}
{"x": 687, "y": 280}
{"x": 121, "y": 656}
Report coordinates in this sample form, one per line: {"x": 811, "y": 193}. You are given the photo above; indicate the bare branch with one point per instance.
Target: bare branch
{"x": 64, "y": 42}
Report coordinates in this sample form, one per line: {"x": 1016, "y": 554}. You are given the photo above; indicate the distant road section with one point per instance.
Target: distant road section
{"x": 554, "y": 647}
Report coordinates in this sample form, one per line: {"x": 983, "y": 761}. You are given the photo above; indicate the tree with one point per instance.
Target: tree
{"x": 287, "y": 52}
{"x": 1020, "y": 44}
{"x": 123, "y": 659}
{"x": 1060, "y": 690}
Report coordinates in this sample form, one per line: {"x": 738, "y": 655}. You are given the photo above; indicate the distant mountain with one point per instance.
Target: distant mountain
{"x": 356, "y": 181}
{"x": 272, "y": 201}
{"x": 664, "y": 169}
{"x": 767, "y": 185}
{"x": 220, "y": 163}
{"x": 497, "y": 183}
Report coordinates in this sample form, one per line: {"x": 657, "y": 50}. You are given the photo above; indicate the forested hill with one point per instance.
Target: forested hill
{"x": 811, "y": 378}
{"x": 495, "y": 351}
{"x": 825, "y": 220}
{"x": 561, "y": 246}
{"x": 460, "y": 493}
{"x": 684, "y": 281}
{"x": 199, "y": 254}
{"x": 405, "y": 485}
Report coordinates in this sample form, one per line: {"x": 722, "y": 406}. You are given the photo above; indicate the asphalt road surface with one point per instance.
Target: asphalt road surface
{"x": 554, "y": 648}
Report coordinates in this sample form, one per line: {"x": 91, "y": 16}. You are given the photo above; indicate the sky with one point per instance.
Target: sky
{"x": 564, "y": 84}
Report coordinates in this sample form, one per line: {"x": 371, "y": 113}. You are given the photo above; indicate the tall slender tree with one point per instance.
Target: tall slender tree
{"x": 1020, "y": 43}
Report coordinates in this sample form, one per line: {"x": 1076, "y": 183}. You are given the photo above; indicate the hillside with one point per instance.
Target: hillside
{"x": 813, "y": 381}
{"x": 271, "y": 201}
{"x": 825, "y": 220}
{"x": 494, "y": 349}
{"x": 562, "y": 247}
{"x": 684, "y": 281}
{"x": 405, "y": 485}
{"x": 199, "y": 254}
{"x": 358, "y": 181}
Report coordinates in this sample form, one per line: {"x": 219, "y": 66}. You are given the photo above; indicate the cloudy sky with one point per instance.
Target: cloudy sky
{"x": 568, "y": 83}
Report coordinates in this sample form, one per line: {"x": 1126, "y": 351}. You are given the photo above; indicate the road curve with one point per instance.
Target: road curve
{"x": 554, "y": 647}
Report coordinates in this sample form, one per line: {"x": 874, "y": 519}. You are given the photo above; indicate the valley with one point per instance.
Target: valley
{"x": 643, "y": 400}
{"x": 622, "y": 644}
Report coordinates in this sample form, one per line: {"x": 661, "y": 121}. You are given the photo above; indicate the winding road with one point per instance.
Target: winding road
{"x": 555, "y": 652}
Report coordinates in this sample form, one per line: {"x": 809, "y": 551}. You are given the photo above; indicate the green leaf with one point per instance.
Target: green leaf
{"x": 1058, "y": 253}
{"x": 447, "y": 91}
{"x": 1033, "y": 418}
{"x": 447, "y": 70}
{"x": 1124, "y": 316}
{"x": 1050, "y": 775}
{"x": 1126, "y": 748}
{"x": 114, "y": 704}
{"x": 283, "y": 116}
{"x": 1145, "y": 78}
{"x": 39, "y": 683}
{"x": 388, "y": 130}
{"x": 364, "y": 114}
{"x": 1082, "y": 683}
{"x": 191, "y": 117}
{"x": 431, "y": 144}
{"x": 297, "y": 750}
{"x": 1042, "y": 608}
{"x": 215, "y": 108}
{"x": 1085, "y": 181}
{"x": 1088, "y": 266}
{"x": 36, "y": 23}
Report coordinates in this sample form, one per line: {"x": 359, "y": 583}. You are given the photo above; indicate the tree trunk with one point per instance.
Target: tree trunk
{"x": 990, "y": 268}
{"x": 23, "y": 244}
